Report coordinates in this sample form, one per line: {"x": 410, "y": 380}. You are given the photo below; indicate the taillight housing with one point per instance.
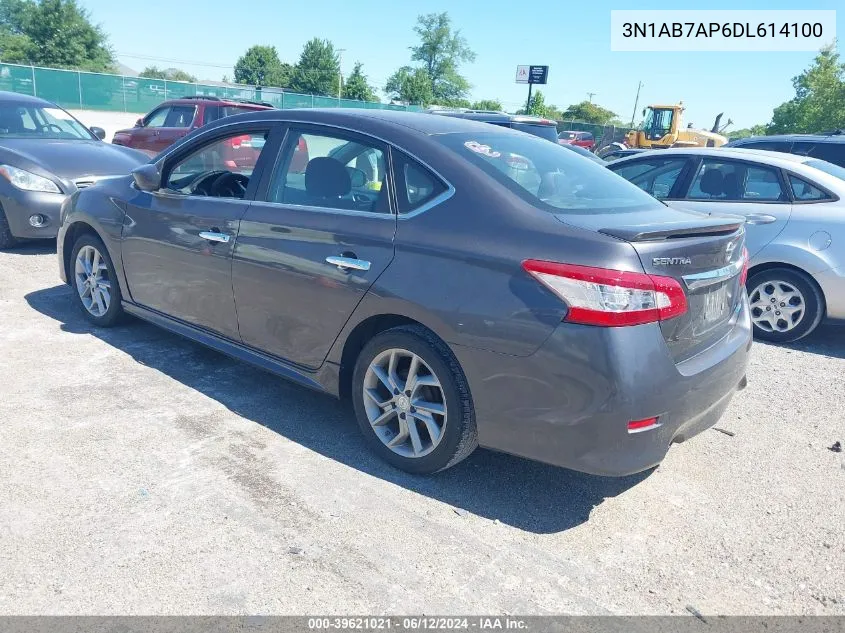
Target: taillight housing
{"x": 743, "y": 277}
{"x": 606, "y": 297}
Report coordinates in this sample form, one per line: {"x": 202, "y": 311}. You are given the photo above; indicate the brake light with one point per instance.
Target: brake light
{"x": 605, "y": 297}
{"x": 743, "y": 277}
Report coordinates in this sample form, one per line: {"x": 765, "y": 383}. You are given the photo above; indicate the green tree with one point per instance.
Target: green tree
{"x": 318, "y": 69}
{"x": 261, "y": 66}
{"x": 588, "y": 112}
{"x": 819, "y": 102}
{"x": 411, "y": 85}
{"x": 357, "y": 87}
{"x": 538, "y": 107}
{"x": 488, "y": 104}
{"x": 754, "y": 130}
{"x": 170, "y": 74}
{"x": 54, "y": 33}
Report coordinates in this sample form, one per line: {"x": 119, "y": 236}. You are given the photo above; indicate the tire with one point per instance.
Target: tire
{"x": 788, "y": 292}
{"x": 436, "y": 363}
{"x": 106, "y": 278}
{"x": 7, "y": 240}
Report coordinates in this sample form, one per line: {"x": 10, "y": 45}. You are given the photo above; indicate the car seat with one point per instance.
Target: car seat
{"x": 731, "y": 187}
{"x": 326, "y": 182}
{"x": 712, "y": 183}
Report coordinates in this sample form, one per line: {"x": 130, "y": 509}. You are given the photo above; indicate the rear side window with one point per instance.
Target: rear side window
{"x": 415, "y": 185}
{"x": 831, "y": 152}
{"x": 656, "y": 176}
{"x": 804, "y": 191}
{"x": 180, "y": 116}
{"x": 213, "y": 113}
{"x": 773, "y": 146}
{"x": 547, "y": 175}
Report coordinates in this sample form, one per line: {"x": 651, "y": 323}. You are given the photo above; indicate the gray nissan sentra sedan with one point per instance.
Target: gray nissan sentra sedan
{"x": 462, "y": 284}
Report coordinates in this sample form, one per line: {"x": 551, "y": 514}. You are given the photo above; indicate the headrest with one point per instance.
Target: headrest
{"x": 327, "y": 178}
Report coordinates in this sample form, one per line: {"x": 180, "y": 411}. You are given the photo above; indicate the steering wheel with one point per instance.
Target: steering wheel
{"x": 197, "y": 185}
{"x": 229, "y": 185}
{"x": 53, "y": 127}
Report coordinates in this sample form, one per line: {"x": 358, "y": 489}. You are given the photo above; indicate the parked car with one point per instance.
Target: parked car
{"x": 575, "y": 137}
{"x": 794, "y": 208}
{"x": 829, "y": 147}
{"x": 45, "y": 155}
{"x": 538, "y": 126}
{"x": 176, "y": 118}
{"x": 616, "y": 154}
{"x": 457, "y": 299}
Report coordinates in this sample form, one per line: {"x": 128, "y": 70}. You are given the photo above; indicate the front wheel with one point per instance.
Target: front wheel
{"x": 95, "y": 281}
{"x": 412, "y": 401}
{"x": 7, "y": 240}
{"x": 785, "y": 305}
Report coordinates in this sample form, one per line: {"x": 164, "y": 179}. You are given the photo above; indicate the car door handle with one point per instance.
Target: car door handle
{"x": 348, "y": 263}
{"x": 760, "y": 218}
{"x": 214, "y": 236}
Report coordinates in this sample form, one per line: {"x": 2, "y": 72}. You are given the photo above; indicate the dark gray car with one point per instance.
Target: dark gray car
{"x": 46, "y": 154}
{"x": 463, "y": 284}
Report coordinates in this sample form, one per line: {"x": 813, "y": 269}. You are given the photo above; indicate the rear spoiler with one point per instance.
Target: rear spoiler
{"x": 695, "y": 228}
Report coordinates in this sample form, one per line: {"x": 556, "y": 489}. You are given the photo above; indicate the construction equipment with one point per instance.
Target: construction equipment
{"x": 662, "y": 128}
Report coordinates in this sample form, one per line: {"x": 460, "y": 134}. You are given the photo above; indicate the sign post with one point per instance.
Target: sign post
{"x": 531, "y": 75}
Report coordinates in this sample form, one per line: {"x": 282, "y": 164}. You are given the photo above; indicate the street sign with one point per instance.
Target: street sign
{"x": 532, "y": 74}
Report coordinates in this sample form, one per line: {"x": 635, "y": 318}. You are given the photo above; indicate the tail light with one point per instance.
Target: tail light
{"x": 604, "y": 297}
{"x": 743, "y": 277}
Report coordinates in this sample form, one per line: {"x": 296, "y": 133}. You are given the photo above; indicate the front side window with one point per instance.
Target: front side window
{"x": 220, "y": 169}
{"x": 804, "y": 191}
{"x": 548, "y": 175}
{"x": 656, "y": 176}
{"x": 734, "y": 182}
{"x": 180, "y": 116}
{"x": 157, "y": 118}
{"x": 336, "y": 172}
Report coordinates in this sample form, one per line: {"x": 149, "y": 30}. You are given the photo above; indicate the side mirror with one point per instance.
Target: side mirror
{"x": 99, "y": 132}
{"x": 147, "y": 177}
{"x": 139, "y": 123}
{"x": 357, "y": 177}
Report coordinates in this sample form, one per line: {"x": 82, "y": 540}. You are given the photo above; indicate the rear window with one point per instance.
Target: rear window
{"x": 831, "y": 152}
{"x": 568, "y": 136}
{"x": 548, "y": 175}
{"x": 213, "y": 113}
{"x": 548, "y": 132}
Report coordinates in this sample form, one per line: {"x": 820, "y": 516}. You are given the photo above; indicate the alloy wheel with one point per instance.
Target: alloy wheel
{"x": 405, "y": 403}
{"x": 92, "y": 281}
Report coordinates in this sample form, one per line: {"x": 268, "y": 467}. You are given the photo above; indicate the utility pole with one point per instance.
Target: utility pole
{"x": 590, "y": 95}
{"x": 340, "y": 72}
{"x": 636, "y": 103}
{"x": 528, "y": 103}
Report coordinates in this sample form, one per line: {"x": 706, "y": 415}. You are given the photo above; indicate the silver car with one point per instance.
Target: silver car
{"x": 795, "y": 220}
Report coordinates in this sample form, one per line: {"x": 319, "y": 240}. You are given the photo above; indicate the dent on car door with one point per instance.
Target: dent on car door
{"x": 753, "y": 190}
{"x": 178, "y": 242}
{"x": 311, "y": 248}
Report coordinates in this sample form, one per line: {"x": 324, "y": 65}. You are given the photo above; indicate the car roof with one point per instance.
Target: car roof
{"x": 16, "y": 97}
{"x": 823, "y": 138}
{"x": 779, "y": 159}
{"x": 210, "y": 100}
{"x": 491, "y": 117}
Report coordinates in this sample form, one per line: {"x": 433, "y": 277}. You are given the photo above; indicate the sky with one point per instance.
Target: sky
{"x": 206, "y": 38}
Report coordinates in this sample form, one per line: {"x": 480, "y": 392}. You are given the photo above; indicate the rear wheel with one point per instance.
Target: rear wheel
{"x": 412, "y": 401}
{"x": 7, "y": 240}
{"x": 95, "y": 281}
{"x": 785, "y": 305}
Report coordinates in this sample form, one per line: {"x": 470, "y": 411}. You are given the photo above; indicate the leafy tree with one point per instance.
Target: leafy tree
{"x": 318, "y": 70}
{"x": 538, "y": 107}
{"x": 411, "y": 85}
{"x": 589, "y": 113}
{"x": 357, "y": 86}
{"x": 261, "y": 66}
{"x": 55, "y": 33}
{"x": 170, "y": 74}
{"x": 440, "y": 52}
{"x": 488, "y": 104}
{"x": 754, "y": 130}
{"x": 819, "y": 102}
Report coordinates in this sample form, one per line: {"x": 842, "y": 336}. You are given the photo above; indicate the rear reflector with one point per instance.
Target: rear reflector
{"x": 744, "y": 275}
{"x": 604, "y": 297}
{"x": 642, "y": 425}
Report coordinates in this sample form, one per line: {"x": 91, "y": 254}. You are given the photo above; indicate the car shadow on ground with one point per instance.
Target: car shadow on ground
{"x": 828, "y": 340}
{"x": 33, "y": 247}
{"x": 518, "y": 492}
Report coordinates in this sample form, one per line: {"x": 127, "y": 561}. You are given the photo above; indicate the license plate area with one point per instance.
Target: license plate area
{"x": 716, "y": 304}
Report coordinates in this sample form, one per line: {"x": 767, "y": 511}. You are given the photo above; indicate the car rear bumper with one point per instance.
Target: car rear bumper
{"x": 570, "y": 402}
{"x": 832, "y": 283}
{"x": 19, "y": 206}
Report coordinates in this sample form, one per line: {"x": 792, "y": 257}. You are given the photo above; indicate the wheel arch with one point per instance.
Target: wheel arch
{"x": 72, "y": 234}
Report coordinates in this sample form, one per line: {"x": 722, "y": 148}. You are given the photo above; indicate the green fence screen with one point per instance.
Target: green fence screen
{"x": 72, "y": 89}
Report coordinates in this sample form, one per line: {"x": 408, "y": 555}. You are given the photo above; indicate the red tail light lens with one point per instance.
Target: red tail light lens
{"x": 642, "y": 425}
{"x": 743, "y": 277}
{"x": 604, "y": 297}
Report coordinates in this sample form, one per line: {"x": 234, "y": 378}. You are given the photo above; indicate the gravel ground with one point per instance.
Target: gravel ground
{"x": 144, "y": 474}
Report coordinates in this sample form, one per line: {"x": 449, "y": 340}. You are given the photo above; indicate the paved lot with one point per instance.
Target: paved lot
{"x": 140, "y": 473}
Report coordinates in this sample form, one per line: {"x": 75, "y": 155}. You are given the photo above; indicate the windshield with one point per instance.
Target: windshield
{"x": 548, "y": 175}
{"x": 34, "y": 121}
{"x": 828, "y": 168}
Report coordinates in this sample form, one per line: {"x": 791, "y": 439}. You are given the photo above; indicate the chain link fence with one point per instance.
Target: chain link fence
{"x": 73, "y": 89}
{"x": 603, "y": 134}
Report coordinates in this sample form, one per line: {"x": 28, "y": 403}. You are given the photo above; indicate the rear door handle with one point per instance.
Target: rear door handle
{"x": 348, "y": 263}
{"x": 760, "y": 218}
{"x": 214, "y": 236}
